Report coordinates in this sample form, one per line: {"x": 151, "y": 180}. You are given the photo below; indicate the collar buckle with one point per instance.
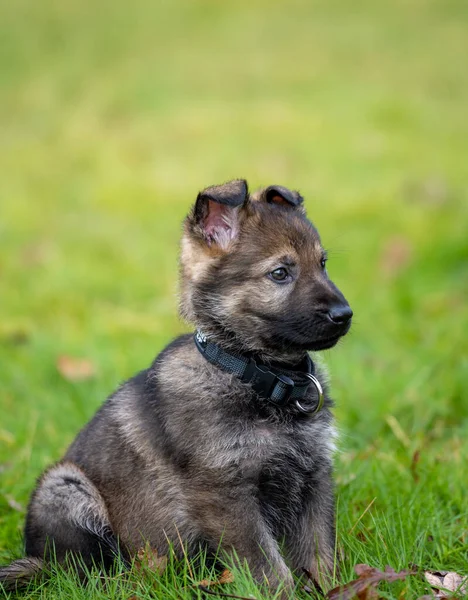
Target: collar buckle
{"x": 277, "y": 388}
{"x": 261, "y": 379}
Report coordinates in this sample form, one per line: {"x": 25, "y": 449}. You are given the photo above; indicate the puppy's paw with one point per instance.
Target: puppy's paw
{"x": 281, "y": 583}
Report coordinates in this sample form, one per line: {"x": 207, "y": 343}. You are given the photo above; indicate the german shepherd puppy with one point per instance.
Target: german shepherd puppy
{"x": 226, "y": 440}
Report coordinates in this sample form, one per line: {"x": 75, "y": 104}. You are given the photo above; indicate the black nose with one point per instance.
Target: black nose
{"x": 340, "y": 313}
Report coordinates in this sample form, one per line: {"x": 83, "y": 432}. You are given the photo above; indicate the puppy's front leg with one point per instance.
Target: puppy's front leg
{"x": 235, "y": 524}
{"x": 311, "y": 544}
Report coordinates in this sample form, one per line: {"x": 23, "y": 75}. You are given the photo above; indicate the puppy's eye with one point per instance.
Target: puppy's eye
{"x": 280, "y": 275}
{"x": 323, "y": 262}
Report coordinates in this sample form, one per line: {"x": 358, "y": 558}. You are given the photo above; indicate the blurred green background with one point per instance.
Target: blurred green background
{"x": 114, "y": 114}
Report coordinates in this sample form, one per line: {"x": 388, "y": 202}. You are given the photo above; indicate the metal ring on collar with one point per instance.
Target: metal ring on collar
{"x": 318, "y": 387}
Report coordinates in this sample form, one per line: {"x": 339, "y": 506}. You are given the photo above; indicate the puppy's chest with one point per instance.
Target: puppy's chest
{"x": 249, "y": 450}
{"x": 227, "y": 436}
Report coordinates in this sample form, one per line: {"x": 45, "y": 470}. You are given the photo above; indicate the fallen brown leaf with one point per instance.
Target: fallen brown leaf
{"x": 448, "y": 581}
{"x": 365, "y": 587}
{"x": 75, "y": 369}
{"x": 225, "y": 577}
{"x": 17, "y": 338}
{"x": 149, "y": 558}
{"x": 396, "y": 255}
{"x": 432, "y": 191}
{"x": 36, "y": 253}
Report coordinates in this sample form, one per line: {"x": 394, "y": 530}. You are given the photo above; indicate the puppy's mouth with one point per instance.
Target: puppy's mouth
{"x": 329, "y": 341}
{"x": 325, "y": 343}
{"x": 291, "y": 335}
{"x": 313, "y": 344}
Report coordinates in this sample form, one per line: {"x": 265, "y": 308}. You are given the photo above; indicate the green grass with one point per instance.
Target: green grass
{"x": 113, "y": 115}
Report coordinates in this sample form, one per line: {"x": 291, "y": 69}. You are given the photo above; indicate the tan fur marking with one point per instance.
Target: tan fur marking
{"x": 195, "y": 261}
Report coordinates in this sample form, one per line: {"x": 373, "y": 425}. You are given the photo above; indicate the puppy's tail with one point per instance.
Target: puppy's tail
{"x": 20, "y": 572}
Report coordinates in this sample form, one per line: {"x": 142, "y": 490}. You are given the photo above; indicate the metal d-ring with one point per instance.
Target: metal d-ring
{"x": 318, "y": 387}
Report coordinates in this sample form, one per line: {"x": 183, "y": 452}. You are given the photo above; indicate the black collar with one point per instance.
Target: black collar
{"x": 268, "y": 382}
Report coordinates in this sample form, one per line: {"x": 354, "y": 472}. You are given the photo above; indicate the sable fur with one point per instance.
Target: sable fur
{"x": 185, "y": 450}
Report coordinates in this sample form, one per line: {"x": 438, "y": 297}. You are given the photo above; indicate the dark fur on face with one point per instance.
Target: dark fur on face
{"x": 232, "y": 244}
{"x": 186, "y": 452}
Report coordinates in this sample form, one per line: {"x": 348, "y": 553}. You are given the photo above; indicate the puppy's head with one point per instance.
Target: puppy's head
{"x": 253, "y": 273}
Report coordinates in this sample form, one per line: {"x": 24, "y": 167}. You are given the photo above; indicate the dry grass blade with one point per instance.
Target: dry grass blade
{"x": 14, "y": 504}
{"x": 362, "y": 515}
{"x": 414, "y": 464}
{"x": 187, "y": 562}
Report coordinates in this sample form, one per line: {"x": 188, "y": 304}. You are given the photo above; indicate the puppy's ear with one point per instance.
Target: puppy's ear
{"x": 279, "y": 195}
{"x": 216, "y": 215}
